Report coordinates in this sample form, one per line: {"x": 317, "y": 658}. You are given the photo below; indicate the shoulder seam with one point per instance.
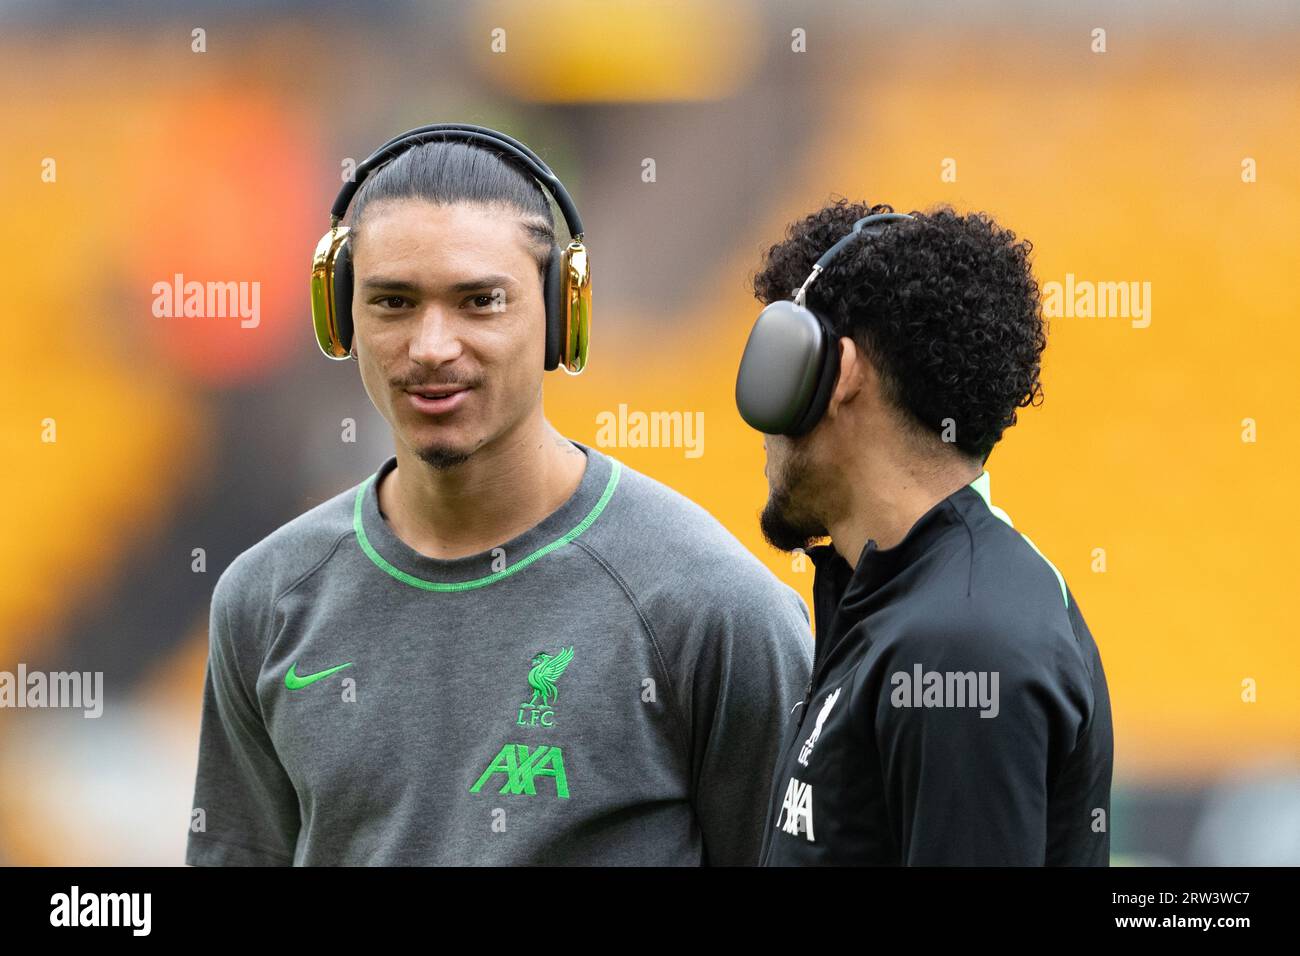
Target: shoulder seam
{"x": 970, "y": 536}
{"x": 1026, "y": 540}
{"x": 650, "y": 634}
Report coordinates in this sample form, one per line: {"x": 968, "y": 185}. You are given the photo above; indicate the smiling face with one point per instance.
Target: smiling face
{"x": 449, "y": 323}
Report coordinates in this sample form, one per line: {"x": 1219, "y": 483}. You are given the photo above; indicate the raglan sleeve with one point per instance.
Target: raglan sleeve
{"x": 967, "y": 774}
{"x": 753, "y": 668}
{"x": 245, "y": 810}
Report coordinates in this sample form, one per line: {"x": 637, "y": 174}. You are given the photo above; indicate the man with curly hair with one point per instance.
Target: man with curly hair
{"x": 957, "y": 712}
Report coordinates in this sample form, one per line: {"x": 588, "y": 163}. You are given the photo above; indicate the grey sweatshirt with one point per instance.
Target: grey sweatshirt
{"x": 609, "y": 687}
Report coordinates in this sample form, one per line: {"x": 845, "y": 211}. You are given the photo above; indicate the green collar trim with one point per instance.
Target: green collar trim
{"x": 518, "y": 566}
{"x": 981, "y": 487}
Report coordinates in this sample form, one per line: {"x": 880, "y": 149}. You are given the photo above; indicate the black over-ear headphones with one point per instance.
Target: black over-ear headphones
{"x": 791, "y": 363}
{"x": 567, "y": 285}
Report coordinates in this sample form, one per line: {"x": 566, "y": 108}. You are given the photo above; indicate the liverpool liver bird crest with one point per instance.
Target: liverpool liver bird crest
{"x": 546, "y": 670}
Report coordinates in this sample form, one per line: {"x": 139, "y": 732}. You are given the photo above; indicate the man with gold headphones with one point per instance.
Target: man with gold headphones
{"x": 503, "y": 646}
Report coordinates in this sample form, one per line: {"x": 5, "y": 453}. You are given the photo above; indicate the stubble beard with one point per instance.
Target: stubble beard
{"x": 441, "y": 458}
{"x": 787, "y": 521}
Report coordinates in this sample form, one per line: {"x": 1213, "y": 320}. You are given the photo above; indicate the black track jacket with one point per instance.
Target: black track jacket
{"x": 957, "y": 713}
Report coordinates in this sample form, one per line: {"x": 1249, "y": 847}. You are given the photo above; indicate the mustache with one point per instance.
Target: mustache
{"x": 436, "y": 382}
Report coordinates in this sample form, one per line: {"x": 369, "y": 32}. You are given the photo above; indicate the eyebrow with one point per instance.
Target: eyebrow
{"x": 469, "y": 285}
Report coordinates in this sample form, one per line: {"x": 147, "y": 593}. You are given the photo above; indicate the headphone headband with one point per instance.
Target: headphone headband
{"x": 878, "y": 222}
{"x": 469, "y": 127}
{"x": 454, "y": 132}
{"x": 791, "y": 361}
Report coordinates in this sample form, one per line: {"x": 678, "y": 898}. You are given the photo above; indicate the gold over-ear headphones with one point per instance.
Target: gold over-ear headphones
{"x": 567, "y": 284}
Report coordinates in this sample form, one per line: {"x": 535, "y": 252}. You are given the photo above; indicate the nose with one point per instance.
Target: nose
{"x": 436, "y": 339}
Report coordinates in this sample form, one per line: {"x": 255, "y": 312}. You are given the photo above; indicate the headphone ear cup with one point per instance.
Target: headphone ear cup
{"x": 826, "y": 378}
{"x": 554, "y": 310}
{"x": 788, "y": 370}
{"x": 343, "y": 294}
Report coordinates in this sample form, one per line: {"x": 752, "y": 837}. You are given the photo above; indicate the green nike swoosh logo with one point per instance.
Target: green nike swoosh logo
{"x": 294, "y": 682}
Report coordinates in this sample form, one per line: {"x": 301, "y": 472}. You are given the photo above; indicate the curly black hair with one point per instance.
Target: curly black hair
{"x": 945, "y": 306}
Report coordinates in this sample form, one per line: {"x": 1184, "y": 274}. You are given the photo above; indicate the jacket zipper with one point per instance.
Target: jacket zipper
{"x": 819, "y": 642}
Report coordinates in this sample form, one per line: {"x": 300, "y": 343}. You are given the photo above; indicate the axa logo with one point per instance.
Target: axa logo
{"x": 545, "y": 671}
{"x": 521, "y": 769}
{"x": 796, "y": 814}
{"x": 806, "y": 751}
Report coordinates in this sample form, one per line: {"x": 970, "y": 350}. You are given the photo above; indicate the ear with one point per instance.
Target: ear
{"x": 854, "y": 369}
